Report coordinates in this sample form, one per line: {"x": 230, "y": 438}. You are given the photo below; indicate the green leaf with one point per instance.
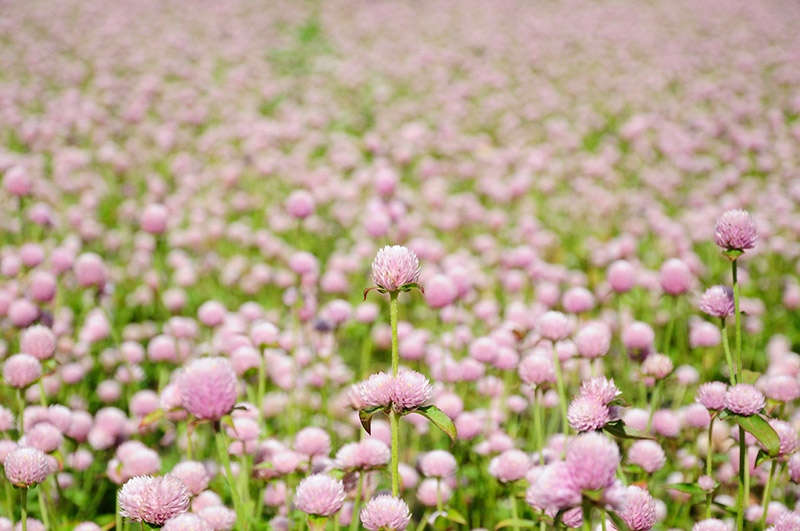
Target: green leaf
{"x": 228, "y": 421}
{"x": 440, "y": 419}
{"x": 155, "y": 416}
{"x": 619, "y": 430}
{"x": 411, "y": 285}
{"x": 449, "y": 514}
{"x": 619, "y": 523}
{"x": 761, "y": 457}
{"x": 689, "y": 488}
{"x": 365, "y": 416}
{"x": 750, "y": 377}
{"x": 759, "y": 428}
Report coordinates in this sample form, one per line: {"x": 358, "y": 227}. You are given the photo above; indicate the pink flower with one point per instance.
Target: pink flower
{"x": 319, "y": 495}
{"x": 658, "y": 366}
{"x": 300, "y": 204}
{"x": 193, "y": 474}
{"x": 647, "y": 454}
{"x": 153, "y": 500}
{"x": 554, "y": 326}
{"x": 90, "y": 270}
{"x": 592, "y": 460}
{"x": 717, "y": 301}
{"x": 38, "y": 341}
{"x": 711, "y": 524}
{"x": 438, "y": 464}
{"x": 735, "y": 231}
{"x": 26, "y": 466}
{"x": 586, "y": 414}
{"x": 21, "y": 370}
{"x": 154, "y": 219}
{"x": 639, "y": 510}
{"x": 385, "y": 512}
{"x": 395, "y": 267}
{"x": 745, "y": 399}
{"x": 675, "y": 276}
{"x": 537, "y": 370}
{"x": 187, "y": 522}
{"x": 554, "y": 488}
{"x": 220, "y": 518}
{"x": 410, "y": 390}
{"x": 621, "y": 276}
{"x": 509, "y": 466}
{"x": 312, "y": 441}
{"x": 376, "y": 391}
{"x": 593, "y": 340}
{"x": 208, "y": 388}
{"x": 712, "y": 395}
{"x": 600, "y": 389}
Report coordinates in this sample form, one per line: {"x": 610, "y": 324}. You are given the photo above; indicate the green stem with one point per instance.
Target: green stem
{"x": 394, "y": 420}
{"x": 23, "y": 503}
{"x": 357, "y": 502}
{"x": 726, "y": 346}
{"x": 222, "y": 449}
{"x": 767, "y": 494}
{"x": 439, "y": 504}
{"x": 587, "y": 515}
{"x": 744, "y": 466}
{"x": 654, "y": 405}
{"x": 21, "y": 405}
{"x": 537, "y": 422}
{"x": 562, "y": 395}
{"x": 43, "y": 507}
{"x": 709, "y": 458}
{"x": 738, "y": 322}
{"x": 366, "y": 350}
{"x": 514, "y": 512}
{"x": 665, "y": 343}
{"x": 117, "y": 516}
{"x": 393, "y": 317}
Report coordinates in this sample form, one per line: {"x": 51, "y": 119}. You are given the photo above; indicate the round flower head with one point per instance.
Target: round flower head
{"x": 90, "y": 270}
{"x": 553, "y": 488}
{"x": 675, "y": 276}
{"x": 153, "y": 500}
{"x": 600, "y": 389}
{"x": 593, "y": 341}
{"x": 373, "y": 453}
{"x": 385, "y": 513}
{"x": 592, "y": 460}
{"x": 21, "y": 370}
{"x": 395, "y": 267}
{"x": 6, "y": 419}
{"x": 510, "y": 466}
{"x": 187, "y": 522}
{"x": 745, "y": 399}
{"x": 410, "y": 390}
{"x": 537, "y": 370}
{"x": 219, "y": 517}
{"x": 712, "y": 395}
{"x": 347, "y": 458}
{"x": 717, "y": 301}
{"x": 735, "y": 231}
{"x": 320, "y": 495}
{"x": 658, "y": 366}
{"x": 787, "y": 521}
{"x": 208, "y": 388}
{"x": 38, "y": 341}
{"x": 430, "y": 491}
{"x": 312, "y": 441}
{"x": 787, "y": 435}
{"x": 711, "y": 524}
{"x": 621, "y": 276}
{"x": 783, "y": 388}
{"x": 647, "y": 454}
{"x": 554, "y": 326}
{"x": 639, "y": 509}
{"x": 438, "y": 464}
{"x": 376, "y": 391}
{"x": 154, "y": 218}
{"x": 587, "y": 414}
{"x": 193, "y": 474}
{"x": 26, "y": 466}
{"x": 300, "y": 204}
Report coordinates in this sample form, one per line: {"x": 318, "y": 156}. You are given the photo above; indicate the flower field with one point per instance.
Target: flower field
{"x": 397, "y": 265}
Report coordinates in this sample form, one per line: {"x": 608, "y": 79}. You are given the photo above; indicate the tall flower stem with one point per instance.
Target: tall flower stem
{"x": 537, "y": 423}
{"x": 744, "y": 473}
{"x": 357, "y": 502}
{"x": 767, "y": 494}
{"x": 43, "y": 507}
{"x": 709, "y": 457}
{"x": 21, "y": 404}
{"x": 726, "y": 346}
{"x": 222, "y": 450}
{"x": 738, "y": 321}
{"x": 23, "y": 503}
{"x": 665, "y": 342}
{"x": 562, "y": 395}
{"x": 654, "y": 404}
{"x": 394, "y": 418}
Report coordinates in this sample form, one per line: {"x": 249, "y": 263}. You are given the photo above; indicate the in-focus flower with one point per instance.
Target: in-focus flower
{"x": 153, "y": 500}
{"x": 735, "y": 231}
{"x": 586, "y": 414}
{"x": 554, "y": 326}
{"x": 410, "y": 390}
{"x": 745, "y": 399}
{"x": 26, "y": 466}
{"x": 592, "y": 460}
{"x": 385, "y": 513}
{"x": 395, "y": 266}
{"x": 208, "y": 388}
{"x": 639, "y": 509}
{"x": 376, "y": 391}
{"x": 712, "y": 395}
{"x": 21, "y": 370}
{"x": 319, "y": 495}
{"x": 717, "y": 301}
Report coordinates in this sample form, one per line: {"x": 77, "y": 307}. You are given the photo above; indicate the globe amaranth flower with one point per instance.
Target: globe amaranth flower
{"x": 21, "y": 370}
{"x": 208, "y": 388}
{"x": 789, "y": 438}
{"x": 553, "y": 488}
{"x": 376, "y": 391}
{"x": 601, "y": 389}
{"x": 26, "y": 466}
{"x": 153, "y": 500}
{"x": 658, "y": 366}
{"x": 718, "y": 301}
{"x": 711, "y": 524}
{"x": 639, "y": 509}
{"x": 510, "y": 465}
{"x": 647, "y": 454}
{"x": 438, "y": 464}
{"x": 385, "y": 513}
{"x": 319, "y": 495}
{"x": 410, "y": 390}
{"x": 187, "y": 522}
{"x": 554, "y": 326}
{"x": 712, "y": 395}
{"x": 745, "y": 399}
{"x": 586, "y": 414}
{"x": 592, "y": 460}
{"x": 735, "y": 231}
{"x": 394, "y": 267}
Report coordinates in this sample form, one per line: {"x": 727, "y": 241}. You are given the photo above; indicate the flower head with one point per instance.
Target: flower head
{"x": 376, "y": 391}
{"x": 21, "y": 370}
{"x": 208, "y": 388}
{"x": 319, "y": 495}
{"x": 717, "y": 301}
{"x": 554, "y": 488}
{"x": 555, "y": 326}
{"x": 385, "y": 513}
{"x": 510, "y": 466}
{"x": 26, "y": 466}
{"x": 187, "y": 522}
{"x": 586, "y": 413}
{"x": 410, "y": 390}
{"x": 592, "y": 460}
{"x": 711, "y": 524}
{"x": 600, "y": 389}
{"x": 745, "y": 399}
{"x": 735, "y": 231}
{"x": 648, "y": 454}
{"x": 38, "y": 341}
{"x": 712, "y": 395}
{"x": 438, "y": 464}
{"x": 153, "y": 500}
{"x": 394, "y": 267}
{"x": 639, "y": 510}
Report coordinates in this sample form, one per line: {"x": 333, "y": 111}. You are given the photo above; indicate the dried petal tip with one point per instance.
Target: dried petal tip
{"x": 395, "y": 267}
